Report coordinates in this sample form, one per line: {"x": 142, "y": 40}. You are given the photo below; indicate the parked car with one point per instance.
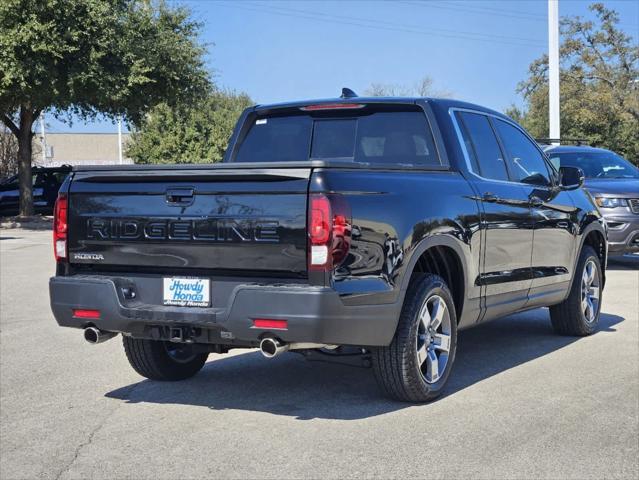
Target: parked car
{"x": 46, "y": 183}
{"x": 614, "y": 183}
{"x": 387, "y": 224}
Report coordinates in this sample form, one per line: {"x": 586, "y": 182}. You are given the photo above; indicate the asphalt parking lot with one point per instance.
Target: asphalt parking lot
{"x": 521, "y": 403}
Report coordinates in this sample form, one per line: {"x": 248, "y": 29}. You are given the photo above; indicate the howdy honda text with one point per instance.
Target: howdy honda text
{"x": 208, "y": 230}
{"x": 186, "y": 292}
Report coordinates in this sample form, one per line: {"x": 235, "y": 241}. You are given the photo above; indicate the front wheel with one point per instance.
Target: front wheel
{"x": 417, "y": 363}
{"x": 160, "y": 360}
{"x": 579, "y": 313}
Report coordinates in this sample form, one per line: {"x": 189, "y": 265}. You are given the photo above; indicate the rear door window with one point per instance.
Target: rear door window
{"x": 484, "y": 149}
{"x": 527, "y": 164}
{"x": 382, "y": 137}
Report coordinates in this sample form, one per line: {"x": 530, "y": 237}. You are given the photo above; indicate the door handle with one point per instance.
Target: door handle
{"x": 535, "y": 201}
{"x": 490, "y": 197}
{"x": 179, "y": 196}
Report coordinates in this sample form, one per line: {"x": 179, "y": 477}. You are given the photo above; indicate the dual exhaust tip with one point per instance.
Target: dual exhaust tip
{"x": 269, "y": 346}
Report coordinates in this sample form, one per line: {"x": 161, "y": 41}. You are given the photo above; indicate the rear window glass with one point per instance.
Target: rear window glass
{"x": 277, "y": 139}
{"x": 334, "y": 138}
{"x": 391, "y": 137}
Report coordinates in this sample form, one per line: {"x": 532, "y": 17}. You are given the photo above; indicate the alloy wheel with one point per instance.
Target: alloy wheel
{"x": 590, "y": 291}
{"x": 433, "y": 338}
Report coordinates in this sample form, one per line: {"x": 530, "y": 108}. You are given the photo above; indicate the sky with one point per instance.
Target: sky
{"x": 478, "y": 50}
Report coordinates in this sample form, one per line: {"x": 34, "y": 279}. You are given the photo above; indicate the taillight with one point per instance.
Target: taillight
{"x": 60, "y": 227}
{"x": 329, "y": 231}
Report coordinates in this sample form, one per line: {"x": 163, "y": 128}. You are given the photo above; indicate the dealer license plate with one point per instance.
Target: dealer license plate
{"x": 187, "y": 292}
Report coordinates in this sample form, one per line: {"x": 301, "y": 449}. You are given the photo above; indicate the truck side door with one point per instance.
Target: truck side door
{"x": 552, "y": 211}
{"x": 506, "y": 273}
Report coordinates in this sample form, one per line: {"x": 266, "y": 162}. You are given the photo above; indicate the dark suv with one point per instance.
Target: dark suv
{"x": 382, "y": 224}
{"x": 46, "y": 183}
{"x": 614, "y": 183}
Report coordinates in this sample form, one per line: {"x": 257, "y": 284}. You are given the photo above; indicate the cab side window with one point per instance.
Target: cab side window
{"x": 525, "y": 161}
{"x": 482, "y": 146}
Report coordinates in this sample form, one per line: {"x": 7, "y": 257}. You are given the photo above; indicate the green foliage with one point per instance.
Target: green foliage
{"x": 599, "y": 82}
{"x": 188, "y": 134}
{"x": 91, "y": 57}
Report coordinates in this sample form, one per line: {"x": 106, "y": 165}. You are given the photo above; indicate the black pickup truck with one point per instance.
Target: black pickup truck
{"x": 380, "y": 225}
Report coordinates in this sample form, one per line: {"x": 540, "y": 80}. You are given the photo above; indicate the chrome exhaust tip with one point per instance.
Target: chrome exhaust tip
{"x": 271, "y": 347}
{"x": 95, "y": 335}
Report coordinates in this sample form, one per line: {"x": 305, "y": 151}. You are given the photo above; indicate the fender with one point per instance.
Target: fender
{"x": 595, "y": 224}
{"x": 470, "y": 306}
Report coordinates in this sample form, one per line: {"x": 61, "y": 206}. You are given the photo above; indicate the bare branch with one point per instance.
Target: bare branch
{"x": 6, "y": 119}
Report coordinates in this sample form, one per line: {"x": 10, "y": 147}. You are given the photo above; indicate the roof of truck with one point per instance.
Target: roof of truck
{"x": 442, "y": 102}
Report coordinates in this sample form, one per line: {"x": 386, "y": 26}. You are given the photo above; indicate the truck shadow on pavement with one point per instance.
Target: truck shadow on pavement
{"x": 289, "y": 385}
{"x": 627, "y": 262}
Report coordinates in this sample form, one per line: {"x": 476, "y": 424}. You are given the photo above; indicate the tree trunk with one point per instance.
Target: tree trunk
{"x": 24, "y": 161}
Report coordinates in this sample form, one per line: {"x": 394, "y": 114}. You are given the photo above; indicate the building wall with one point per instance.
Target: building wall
{"x": 80, "y": 149}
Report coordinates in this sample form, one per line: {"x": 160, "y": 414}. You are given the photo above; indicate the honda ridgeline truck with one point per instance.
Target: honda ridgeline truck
{"x": 386, "y": 224}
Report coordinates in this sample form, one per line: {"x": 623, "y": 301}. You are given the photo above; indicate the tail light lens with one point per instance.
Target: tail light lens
{"x": 60, "y": 228}
{"x": 329, "y": 230}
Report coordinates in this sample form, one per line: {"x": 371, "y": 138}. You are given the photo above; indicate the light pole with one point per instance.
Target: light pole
{"x": 120, "y": 140}
{"x": 553, "y": 70}
{"x": 44, "y": 140}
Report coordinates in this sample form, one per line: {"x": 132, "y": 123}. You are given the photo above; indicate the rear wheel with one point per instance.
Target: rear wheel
{"x": 416, "y": 365}
{"x": 160, "y": 360}
{"x": 579, "y": 313}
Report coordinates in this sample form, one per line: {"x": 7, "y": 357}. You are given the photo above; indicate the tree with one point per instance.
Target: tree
{"x": 423, "y": 88}
{"x": 84, "y": 58}
{"x": 188, "y": 134}
{"x": 599, "y": 82}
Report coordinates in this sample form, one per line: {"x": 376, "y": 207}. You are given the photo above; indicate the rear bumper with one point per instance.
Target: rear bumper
{"x": 314, "y": 314}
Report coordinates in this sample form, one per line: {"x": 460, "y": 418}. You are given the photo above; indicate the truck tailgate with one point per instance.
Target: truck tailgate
{"x": 227, "y": 219}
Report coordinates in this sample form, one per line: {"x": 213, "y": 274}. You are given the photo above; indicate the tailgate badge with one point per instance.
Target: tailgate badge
{"x": 88, "y": 256}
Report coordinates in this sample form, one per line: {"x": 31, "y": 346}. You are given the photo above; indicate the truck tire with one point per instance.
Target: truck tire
{"x": 417, "y": 363}
{"x": 578, "y": 315}
{"x": 160, "y": 360}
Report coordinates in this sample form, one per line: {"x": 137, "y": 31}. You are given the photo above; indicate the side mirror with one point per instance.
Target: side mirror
{"x": 571, "y": 178}
{"x": 536, "y": 179}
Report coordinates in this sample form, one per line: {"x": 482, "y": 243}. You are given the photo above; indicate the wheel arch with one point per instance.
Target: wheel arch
{"x": 595, "y": 237}
{"x": 444, "y": 256}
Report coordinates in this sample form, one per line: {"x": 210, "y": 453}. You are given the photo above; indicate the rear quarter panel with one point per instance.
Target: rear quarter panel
{"x": 395, "y": 216}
